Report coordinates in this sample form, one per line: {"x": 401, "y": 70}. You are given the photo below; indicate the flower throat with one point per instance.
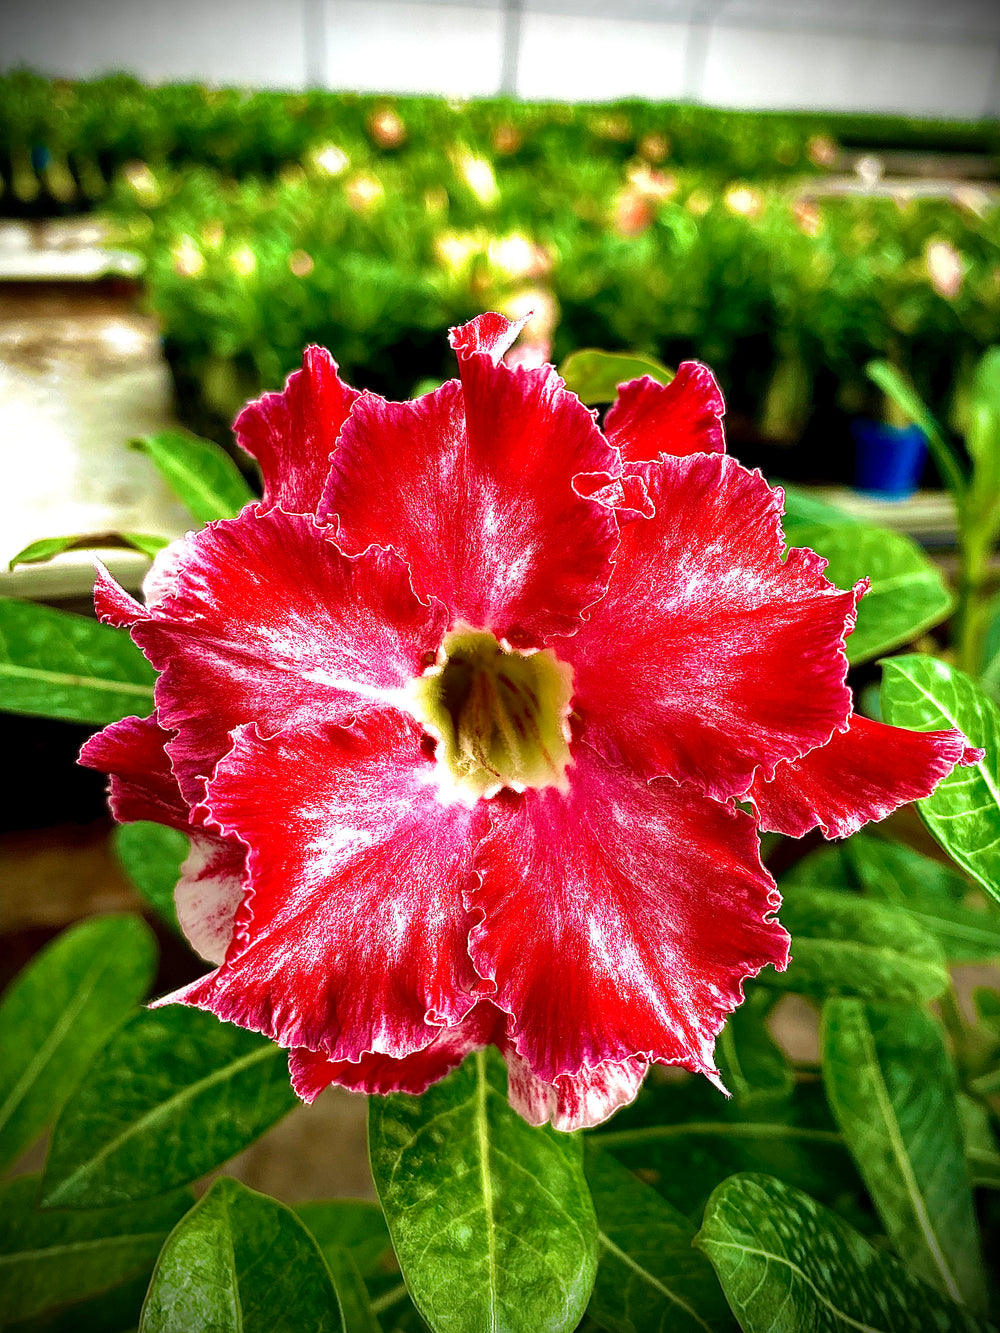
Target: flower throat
{"x": 500, "y": 716}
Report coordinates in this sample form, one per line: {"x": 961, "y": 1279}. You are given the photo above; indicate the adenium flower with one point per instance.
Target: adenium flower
{"x": 458, "y": 717}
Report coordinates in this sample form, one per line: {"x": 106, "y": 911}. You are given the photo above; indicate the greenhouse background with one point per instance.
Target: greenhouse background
{"x": 803, "y": 196}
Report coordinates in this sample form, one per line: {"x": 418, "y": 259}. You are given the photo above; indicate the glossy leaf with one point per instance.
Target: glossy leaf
{"x": 49, "y": 1258}
{"x": 200, "y": 473}
{"x": 46, "y": 548}
{"x": 884, "y": 869}
{"x": 907, "y": 593}
{"x": 982, "y": 1154}
{"x": 844, "y": 945}
{"x": 594, "y": 376}
{"x": 754, "y": 1068}
{"x": 355, "y": 1305}
{"x": 240, "y": 1262}
{"x": 151, "y": 856}
{"x": 490, "y": 1218}
{"x": 198, "y": 1091}
{"x": 788, "y": 1264}
{"x": 113, "y": 1311}
{"x": 149, "y": 543}
{"x": 59, "y": 1012}
{"x": 801, "y": 506}
{"x": 649, "y": 1277}
{"x": 929, "y": 890}
{"x": 925, "y": 694}
{"x": 893, "y": 1090}
{"x": 684, "y": 1138}
{"x": 53, "y": 664}
{"x": 353, "y": 1225}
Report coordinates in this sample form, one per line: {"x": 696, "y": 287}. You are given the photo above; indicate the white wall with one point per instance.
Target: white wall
{"x": 380, "y": 45}
{"x": 925, "y": 57}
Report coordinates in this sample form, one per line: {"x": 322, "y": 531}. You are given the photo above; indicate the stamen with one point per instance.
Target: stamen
{"x": 500, "y": 716}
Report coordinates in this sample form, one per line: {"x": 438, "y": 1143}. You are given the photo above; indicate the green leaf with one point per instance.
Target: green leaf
{"x": 113, "y": 1311}
{"x": 930, "y": 891}
{"x": 355, "y": 1305}
{"x": 802, "y": 507}
{"x": 981, "y": 1152}
{"x": 897, "y": 874}
{"x": 649, "y": 1277}
{"x": 49, "y": 1258}
{"x": 201, "y": 473}
{"x": 353, "y": 1225}
{"x": 788, "y": 1264}
{"x": 490, "y": 1219}
{"x": 754, "y": 1067}
{"x": 151, "y": 855}
{"x": 197, "y": 1092}
{"x": 240, "y": 1262}
{"x": 842, "y": 945}
{"x": 59, "y": 1012}
{"x": 53, "y": 664}
{"x": 594, "y": 376}
{"x": 148, "y": 543}
{"x": 46, "y": 548}
{"x": 925, "y": 694}
{"x": 683, "y": 1137}
{"x": 986, "y": 1001}
{"x": 893, "y": 1091}
{"x": 907, "y": 594}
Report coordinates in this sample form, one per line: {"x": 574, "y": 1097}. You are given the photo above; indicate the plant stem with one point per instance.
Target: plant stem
{"x": 972, "y": 575}
{"x": 951, "y": 1016}
{"x": 739, "y": 1129}
{"x": 390, "y": 1298}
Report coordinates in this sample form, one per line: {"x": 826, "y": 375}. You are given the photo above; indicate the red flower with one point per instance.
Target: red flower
{"x": 473, "y": 692}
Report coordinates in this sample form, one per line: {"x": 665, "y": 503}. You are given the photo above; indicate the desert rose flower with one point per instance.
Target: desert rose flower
{"x": 458, "y": 716}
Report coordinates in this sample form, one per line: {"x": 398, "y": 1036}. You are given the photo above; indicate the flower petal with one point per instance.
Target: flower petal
{"x": 209, "y": 893}
{"x": 473, "y": 486}
{"x": 710, "y": 655}
{"x": 679, "y": 418}
{"x": 647, "y": 905}
{"x": 863, "y": 773}
{"x": 142, "y": 786}
{"x": 490, "y": 333}
{"x": 292, "y": 434}
{"x": 573, "y": 1101}
{"x": 142, "y": 783}
{"x": 311, "y": 1071}
{"x": 269, "y": 622}
{"x": 113, "y": 605}
{"x": 353, "y": 936}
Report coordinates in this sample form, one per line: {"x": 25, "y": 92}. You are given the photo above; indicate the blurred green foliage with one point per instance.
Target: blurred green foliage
{"x": 368, "y": 223}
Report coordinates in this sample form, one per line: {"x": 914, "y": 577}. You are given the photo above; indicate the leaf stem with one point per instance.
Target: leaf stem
{"x": 627, "y": 1138}
{"x": 973, "y": 556}
{"x": 388, "y": 1299}
{"x": 954, "y": 1024}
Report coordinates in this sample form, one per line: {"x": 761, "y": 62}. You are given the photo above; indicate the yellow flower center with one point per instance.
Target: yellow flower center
{"x": 500, "y": 716}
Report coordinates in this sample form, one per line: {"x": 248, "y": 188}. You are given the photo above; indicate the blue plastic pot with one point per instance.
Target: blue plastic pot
{"x": 889, "y": 459}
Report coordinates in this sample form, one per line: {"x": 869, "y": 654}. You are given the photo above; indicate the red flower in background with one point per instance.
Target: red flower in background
{"x": 457, "y": 717}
